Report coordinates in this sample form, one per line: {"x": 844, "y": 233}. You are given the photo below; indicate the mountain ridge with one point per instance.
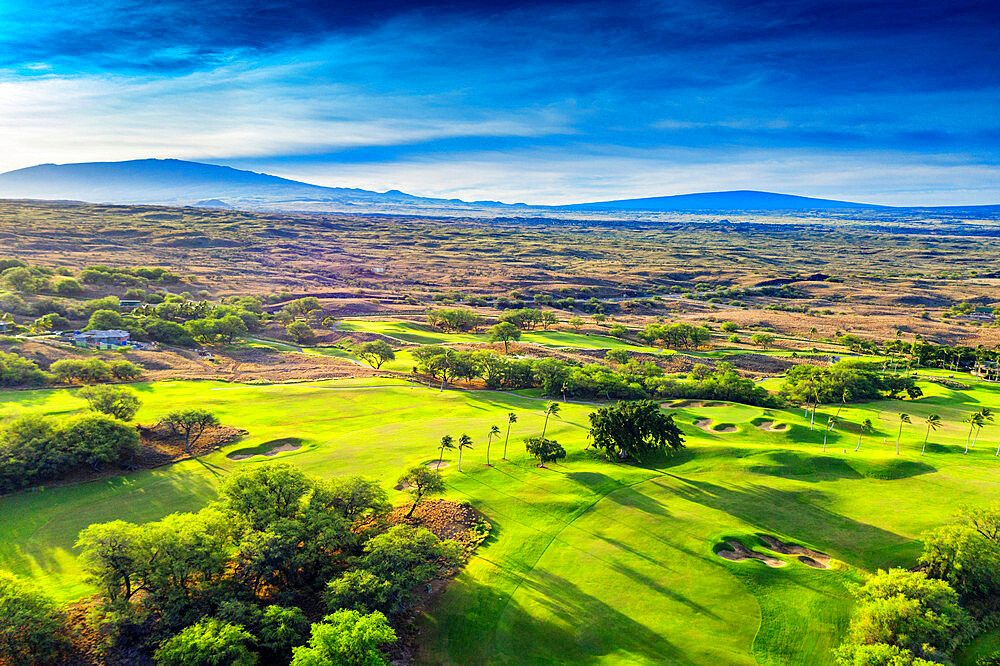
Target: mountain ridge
{"x": 180, "y": 182}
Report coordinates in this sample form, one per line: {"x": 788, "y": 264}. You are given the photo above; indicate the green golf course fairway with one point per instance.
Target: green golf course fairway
{"x": 590, "y": 562}
{"x": 422, "y": 334}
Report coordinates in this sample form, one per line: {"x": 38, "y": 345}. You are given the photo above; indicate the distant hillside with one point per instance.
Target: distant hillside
{"x": 182, "y": 183}
{"x": 177, "y": 182}
{"x": 734, "y": 200}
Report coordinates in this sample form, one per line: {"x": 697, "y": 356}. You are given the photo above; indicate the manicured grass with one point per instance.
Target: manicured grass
{"x": 590, "y": 562}
{"x": 425, "y": 335}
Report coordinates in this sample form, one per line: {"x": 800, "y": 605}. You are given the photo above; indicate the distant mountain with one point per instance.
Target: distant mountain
{"x": 733, "y": 200}
{"x": 181, "y": 183}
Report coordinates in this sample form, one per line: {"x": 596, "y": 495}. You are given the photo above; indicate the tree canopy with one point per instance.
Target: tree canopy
{"x": 634, "y": 429}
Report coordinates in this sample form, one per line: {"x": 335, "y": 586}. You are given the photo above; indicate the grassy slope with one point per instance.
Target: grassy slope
{"x": 426, "y": 335}
{"x": 591, "y": 562}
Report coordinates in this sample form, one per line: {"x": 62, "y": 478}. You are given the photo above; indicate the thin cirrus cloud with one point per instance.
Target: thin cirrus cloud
{"x": 894, "y": 102}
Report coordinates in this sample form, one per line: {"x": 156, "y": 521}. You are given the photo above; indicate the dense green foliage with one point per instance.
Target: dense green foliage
{"x": 676, "y": 335}
{"x": 346, "y": 638}
{"x": 93, "y": 370}
{"x": 454, "y": 319}
{"x": 634, "y": 429}
{"x": 115, "y": 401}
{"x": 208, "y": 643}
{"x": 36, "y": 448}
{"x": 32, "y": 626}
{"x": 845, "y": 381}
{"x": 202, "y": 584}
{"x": 18, "y": 371}
{"x": 904, "y": 617}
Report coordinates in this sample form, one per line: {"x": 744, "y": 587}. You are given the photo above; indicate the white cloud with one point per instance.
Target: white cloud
{"x": 231, "y": 112}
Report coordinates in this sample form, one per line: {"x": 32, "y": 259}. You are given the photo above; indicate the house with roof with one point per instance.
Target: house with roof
{"x": 109, "y": 339}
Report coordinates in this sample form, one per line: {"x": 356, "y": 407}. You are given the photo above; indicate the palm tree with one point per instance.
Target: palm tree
{"x": 511, "y": 418}
{"x": 812, "y": 419}
{"x": 903, "y": 418}
{"x": 987, "y": 415}
{"x": 551, "y": 408}
{"x": 829, "y": 427}
{"x": 975, "y": 421}
{"x": 866, "y": 426}
{"x": 844, "y": 397}
{"x": 933, "y": 422}
{"x": 494, "y": 432}
{"x": 464, "y": 442}
{"x": 446, "y": 443}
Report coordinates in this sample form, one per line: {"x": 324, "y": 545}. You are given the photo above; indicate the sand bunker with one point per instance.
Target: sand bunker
{"x": 272, "y": 448}
{"x": 437, "y": 465}
{"x": 809, "y": 557}
{"x": 683, "y": 404}
{"x": 771, "y": 426}
{"x": 706, "y": 425}
{"x": 740, "y": 553}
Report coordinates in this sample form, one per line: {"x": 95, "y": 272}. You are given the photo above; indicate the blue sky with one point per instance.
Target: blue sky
{"x": 889, "y": 102}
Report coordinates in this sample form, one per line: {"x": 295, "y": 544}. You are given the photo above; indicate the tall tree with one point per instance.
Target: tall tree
{"x": 903, "y": 418}
{"x": 504, "y": 332}
{"x": 550, "y": 409}
{"x": 494, "y": 432}
{"x": 987, "y": 415}
{"x": 464, "y": 442}
{"x": 447, "y": 442}
{"x": 866, "y": 426}
{"x": 975, "y": 420}
{"x": 511, "y": 419}
{"x": 933, "y": 422}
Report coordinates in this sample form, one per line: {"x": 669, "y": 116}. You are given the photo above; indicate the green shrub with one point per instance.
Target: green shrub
{"x": 32, "y": 627}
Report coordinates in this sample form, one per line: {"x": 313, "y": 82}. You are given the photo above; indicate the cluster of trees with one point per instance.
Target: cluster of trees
{"x": 181, "y": 322}
{"x": 920, "y": 617}
{"x": 239, "y": 581}
{"x": 19, "y": 371}
{"x": 16, "y": 370}
{"x": 93, "y": 370}
{"x": 127, "y": 277}
{"x": 629, "y": 381}
{"x": 526, "y": 319}
{"x": 36, "y": 448}
{"x": 849, "y": 380}
{"x": 454, "y": 319}
{"x": 676, "y": 335}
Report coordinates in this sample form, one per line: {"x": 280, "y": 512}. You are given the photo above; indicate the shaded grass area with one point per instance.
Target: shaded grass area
{"x": 426, "y": 335}
{"x": 590, "y": 562}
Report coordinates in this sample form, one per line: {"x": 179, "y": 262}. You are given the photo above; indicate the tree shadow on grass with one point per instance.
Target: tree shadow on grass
{"x": 815, "y": 468}
{"x": 798, "y": 514}
{"x": 590, "y": 630}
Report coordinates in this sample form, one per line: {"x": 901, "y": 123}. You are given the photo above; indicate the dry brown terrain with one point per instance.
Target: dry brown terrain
{"x": 898, "y": 270}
